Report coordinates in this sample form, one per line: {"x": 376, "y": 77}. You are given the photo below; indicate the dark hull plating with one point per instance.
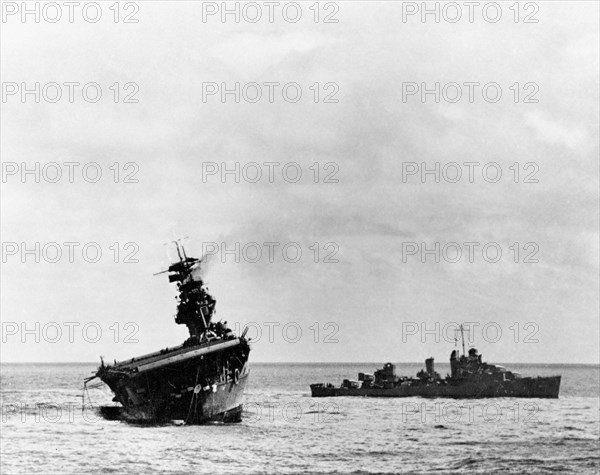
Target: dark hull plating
{"x": 196, "y": 385}
{"x": 540, "y": 387}
{"x": 224, "y": 405}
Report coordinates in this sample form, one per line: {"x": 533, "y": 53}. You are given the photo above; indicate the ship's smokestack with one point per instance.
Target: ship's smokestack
{"x": 429, "y": 365}
{"x": 454, "y": 363}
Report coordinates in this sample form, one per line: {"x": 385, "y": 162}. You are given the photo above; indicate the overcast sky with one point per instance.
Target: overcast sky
{"x": 370, "y": 296}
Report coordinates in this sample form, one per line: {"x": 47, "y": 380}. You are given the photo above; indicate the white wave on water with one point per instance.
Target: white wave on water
{"x": 285, "y": 431}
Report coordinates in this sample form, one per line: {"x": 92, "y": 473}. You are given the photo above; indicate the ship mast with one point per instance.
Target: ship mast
{"x": 462, "y": 337}
{"x": 195, "y": 306}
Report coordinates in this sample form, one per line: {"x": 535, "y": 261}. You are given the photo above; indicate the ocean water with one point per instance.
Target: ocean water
{"x": 44, "y": 429}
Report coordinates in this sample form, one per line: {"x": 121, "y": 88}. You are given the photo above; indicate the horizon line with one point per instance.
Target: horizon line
{"x": 308, "y": 362}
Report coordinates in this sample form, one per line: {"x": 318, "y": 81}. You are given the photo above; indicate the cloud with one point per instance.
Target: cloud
{"x": 368, "y": 134}
{"x": 554, "y": 132}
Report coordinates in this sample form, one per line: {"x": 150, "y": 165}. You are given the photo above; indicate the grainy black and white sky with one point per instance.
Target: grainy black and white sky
{"x": 370, "y": 134}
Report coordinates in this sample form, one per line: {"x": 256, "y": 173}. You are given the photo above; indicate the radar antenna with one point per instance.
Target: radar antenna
{"x": 195, "y": 306}
{"x": 462, "y": 337}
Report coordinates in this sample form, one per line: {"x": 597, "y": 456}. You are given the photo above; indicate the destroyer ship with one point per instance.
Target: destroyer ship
{"x": 470, "y": 378}
{"x": 199, "y": 381}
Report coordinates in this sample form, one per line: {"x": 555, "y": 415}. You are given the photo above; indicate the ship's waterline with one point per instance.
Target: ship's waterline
{"x": 470, "y": 377}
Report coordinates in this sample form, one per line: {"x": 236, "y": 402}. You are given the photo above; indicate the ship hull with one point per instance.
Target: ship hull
{"x": 541, "y": 387}
{"x": 223, "y": 403}
{"x": 196, "y": 385}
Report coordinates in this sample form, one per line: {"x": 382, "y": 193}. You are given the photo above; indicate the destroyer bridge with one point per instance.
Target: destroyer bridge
{"x": 470, "y": 378}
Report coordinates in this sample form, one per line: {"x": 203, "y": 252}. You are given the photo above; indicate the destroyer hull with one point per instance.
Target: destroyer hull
{"x": 540, "y": 387}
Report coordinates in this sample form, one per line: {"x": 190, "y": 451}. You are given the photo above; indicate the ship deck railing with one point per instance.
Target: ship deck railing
{"x": 171, "y": 355}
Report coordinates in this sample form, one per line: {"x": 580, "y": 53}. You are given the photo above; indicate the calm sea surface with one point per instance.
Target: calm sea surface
{"x": 44, "y": 429}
